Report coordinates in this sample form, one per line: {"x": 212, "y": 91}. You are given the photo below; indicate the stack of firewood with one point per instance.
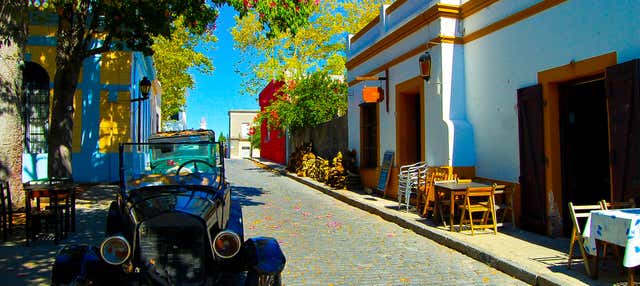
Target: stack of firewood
{"x": 337, "y": 175}
{"x": 306, "y": 164}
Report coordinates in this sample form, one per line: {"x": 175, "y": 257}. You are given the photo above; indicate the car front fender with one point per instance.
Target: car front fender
{"x": 263, "y": 254}
{"x": 80, "y": 263}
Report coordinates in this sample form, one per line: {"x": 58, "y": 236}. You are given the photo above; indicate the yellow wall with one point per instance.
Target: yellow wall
{"x": 114, "y": 121}
{"x": 44, "y": 56}
{"x": 116, "y": 68}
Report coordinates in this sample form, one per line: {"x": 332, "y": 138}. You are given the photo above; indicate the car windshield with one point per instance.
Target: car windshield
{"x": 180, "y": 163}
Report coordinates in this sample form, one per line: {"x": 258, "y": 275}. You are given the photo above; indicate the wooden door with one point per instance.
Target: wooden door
{"x": 623, "y": 98}
{"x": 532, "y": 159}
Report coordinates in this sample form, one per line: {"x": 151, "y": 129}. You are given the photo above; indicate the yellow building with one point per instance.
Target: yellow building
{"x": 104, "y": 113}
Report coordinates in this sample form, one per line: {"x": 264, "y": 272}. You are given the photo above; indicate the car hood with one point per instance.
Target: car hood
{"x": 148, "y": 203}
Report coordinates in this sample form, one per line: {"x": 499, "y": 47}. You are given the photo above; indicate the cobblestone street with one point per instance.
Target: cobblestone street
{"x": 328, "y": 242}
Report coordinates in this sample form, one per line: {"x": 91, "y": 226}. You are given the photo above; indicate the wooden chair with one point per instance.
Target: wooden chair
{"x": 580, "y": 212}
{"x": 441, "y": 175}
{"x": 617, "y": 205}
{"x": 613, "y": 206}
{"x": 506, "y": 205}
{"x": 9, "y": 212}
{"x": 479, "y": 200}
{"x": 427, "y": 192}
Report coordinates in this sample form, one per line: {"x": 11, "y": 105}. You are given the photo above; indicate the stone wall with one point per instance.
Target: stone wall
{"x": 327, "y": 138}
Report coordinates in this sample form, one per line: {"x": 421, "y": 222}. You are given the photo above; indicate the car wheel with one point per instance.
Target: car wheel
{"x": 256, "y": 279}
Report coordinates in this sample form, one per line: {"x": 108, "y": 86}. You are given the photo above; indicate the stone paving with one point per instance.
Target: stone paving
{"x": 328, "y": 242}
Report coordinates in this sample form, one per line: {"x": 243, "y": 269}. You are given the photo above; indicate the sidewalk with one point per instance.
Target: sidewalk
{"x": 533, "y": 258}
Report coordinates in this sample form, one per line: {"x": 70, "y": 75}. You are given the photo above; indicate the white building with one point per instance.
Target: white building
{"x": 537, "y": 93}
{"x": 240, "y": 122}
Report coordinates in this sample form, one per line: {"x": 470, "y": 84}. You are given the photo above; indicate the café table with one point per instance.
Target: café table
{"x": 620, "y": 227}
{"x": 56, "y": 191}
{"x": 451, "y": 189}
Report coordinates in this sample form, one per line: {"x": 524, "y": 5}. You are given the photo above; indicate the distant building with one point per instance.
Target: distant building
{"x": 177, "y": 122}
{"x": 272, "y": 141}
{"x": 239, "y": 125}
{"x": 203, "y": 123}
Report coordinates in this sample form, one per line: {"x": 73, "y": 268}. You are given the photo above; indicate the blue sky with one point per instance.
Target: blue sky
{"x": 214, "y": 95}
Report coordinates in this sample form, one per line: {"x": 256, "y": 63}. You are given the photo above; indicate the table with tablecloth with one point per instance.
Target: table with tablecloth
{"x": 620, "y": 227}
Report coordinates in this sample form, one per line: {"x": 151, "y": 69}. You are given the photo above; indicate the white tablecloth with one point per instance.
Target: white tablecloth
{"x": 620, "y": 227}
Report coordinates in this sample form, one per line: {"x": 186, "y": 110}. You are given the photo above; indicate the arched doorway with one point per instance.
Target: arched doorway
{"x": 36, "y": 108}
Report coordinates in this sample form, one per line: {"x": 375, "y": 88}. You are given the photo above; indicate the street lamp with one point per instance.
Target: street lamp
{"x": 145, "y": 87}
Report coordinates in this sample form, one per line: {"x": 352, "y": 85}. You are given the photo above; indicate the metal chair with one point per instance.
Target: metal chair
{"x": 408, "y": 182}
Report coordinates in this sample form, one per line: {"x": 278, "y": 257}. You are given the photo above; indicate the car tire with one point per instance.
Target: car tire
{"x": 256, "y": 279}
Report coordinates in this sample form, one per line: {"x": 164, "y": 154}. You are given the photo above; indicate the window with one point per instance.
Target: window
{"x": 37, "y": 119}
{"x": 244, "y": 130}
{"x": 368, "y": 135}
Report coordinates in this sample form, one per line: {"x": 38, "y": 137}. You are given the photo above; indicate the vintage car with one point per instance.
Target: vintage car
{"x": 173, "y": 223}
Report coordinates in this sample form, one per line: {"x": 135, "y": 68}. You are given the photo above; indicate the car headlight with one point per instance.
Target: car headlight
{"x": 226, "y": 244}
{"x": 115, "y": 250}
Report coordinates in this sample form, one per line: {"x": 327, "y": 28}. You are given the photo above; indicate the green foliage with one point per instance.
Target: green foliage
{"x": 91, "y": 27}
{"x": 254, "y": 135}
{"x": 276, "y": 16}
{"x": 318, "y": 46}
{"x": 221, "y": 138}
{"x": 173, "y": 58}
{"x": 312, "y": 100}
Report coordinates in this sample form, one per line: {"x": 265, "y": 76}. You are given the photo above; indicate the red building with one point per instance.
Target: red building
{"x": 272, "y": 141}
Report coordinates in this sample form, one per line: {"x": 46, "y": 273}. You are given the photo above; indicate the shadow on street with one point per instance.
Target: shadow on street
{"x": 31, "y": 265}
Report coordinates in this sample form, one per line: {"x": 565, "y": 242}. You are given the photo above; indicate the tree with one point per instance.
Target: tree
{"x": 306, "y": 102}
{"x": 318, "y": 46}
{"x": 255, "y": 135}
{"x": 13, "y": 35}
{"x": 90, "y": 27}
{"x": 173, "y": 57}
{"x": 222, "y": 139}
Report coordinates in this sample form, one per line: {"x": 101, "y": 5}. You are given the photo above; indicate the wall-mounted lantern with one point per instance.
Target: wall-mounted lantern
{"x": 425, "y": 66}
{"x": 145, "y": 87}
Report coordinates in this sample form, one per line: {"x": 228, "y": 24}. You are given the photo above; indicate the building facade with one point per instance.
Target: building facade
{"x": 526, "y": 92}
{"x": 104, "y": 113}
{"x": 240, "y": 123}
{"x": 272, "y": 140}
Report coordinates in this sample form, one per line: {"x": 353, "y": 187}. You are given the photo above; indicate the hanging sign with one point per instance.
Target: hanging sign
{"x": 372, "y": 94}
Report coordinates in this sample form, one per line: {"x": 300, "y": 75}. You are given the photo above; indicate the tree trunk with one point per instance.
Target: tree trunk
{"x": 69, "y": 57}
{"x": 60, "y": 134}
{"x": 13, "y": 33}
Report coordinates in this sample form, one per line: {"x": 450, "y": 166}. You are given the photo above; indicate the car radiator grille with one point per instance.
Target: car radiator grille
{"x": 172, "y": 248}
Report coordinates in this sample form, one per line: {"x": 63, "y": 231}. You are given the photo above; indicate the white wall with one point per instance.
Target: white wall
{"x": 497, "y": 64}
